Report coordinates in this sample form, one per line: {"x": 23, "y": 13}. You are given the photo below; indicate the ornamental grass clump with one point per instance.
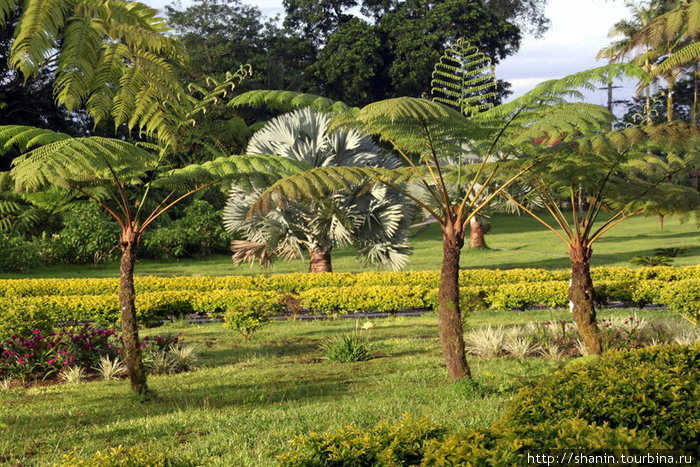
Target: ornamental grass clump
{"x": 353, "y": 346}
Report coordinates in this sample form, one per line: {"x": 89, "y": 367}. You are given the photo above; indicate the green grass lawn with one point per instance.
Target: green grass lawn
{"x": 251, "y": 398}
{"x": 514, "y": 242}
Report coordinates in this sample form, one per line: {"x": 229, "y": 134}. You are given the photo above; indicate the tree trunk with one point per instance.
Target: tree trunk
{"x": 320, "y": 259}
{"x": 450, "y": 318}
{"x": 661, "y": 221}
{"x": 581, "y": 296}
{"x": 130, "y": 331}
{"x": 476, "y": 234}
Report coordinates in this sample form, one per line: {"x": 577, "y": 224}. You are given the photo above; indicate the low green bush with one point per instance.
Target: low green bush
{"x": 298, "y": 282}
{"x": 24, "y": 320}
{"x": 683, "y": 297}
{"x": 384, "y": 444}
{"x": 525, "y": 295}
{"x": 332, "y": 300}
{"x": 251, "y": 311}
{"x": 518, "y": 445}
{"x": 655, "y": 390}
{"x": 18, "y": 254}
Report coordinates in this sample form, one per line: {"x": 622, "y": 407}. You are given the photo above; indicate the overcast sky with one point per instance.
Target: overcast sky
{"x": 579, "y": 30}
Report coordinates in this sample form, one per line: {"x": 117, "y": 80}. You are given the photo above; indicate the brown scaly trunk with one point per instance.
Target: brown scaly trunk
{"x": 130, "y": 331}
{"x": 476, "y": 234}
{"x": 661, "y": 221}
{"x": 581, "y": 296}
{"x": 450, "y": 318}
{"x": 320, "y": 259}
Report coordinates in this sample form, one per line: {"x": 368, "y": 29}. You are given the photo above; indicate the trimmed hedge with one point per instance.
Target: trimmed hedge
{"x": 681, "y": 296}
{"x": 298, "y": 282}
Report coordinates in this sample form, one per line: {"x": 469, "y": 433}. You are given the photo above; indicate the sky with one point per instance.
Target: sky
{"x": 579, "y": 29}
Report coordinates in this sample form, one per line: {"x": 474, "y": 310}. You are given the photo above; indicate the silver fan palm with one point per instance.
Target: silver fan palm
{"x": 374, "y": 221}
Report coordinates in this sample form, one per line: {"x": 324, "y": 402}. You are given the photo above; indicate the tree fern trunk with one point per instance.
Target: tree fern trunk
{"x": 582, "y": 298}
{"x": 130, "y": 331}
{"x": 450, "y": 318}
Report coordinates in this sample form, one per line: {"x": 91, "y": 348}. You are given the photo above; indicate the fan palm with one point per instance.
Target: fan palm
{"x": 122, "y": 178}
{"x": 510, "y": 138}
{"x": 374, "y": 220}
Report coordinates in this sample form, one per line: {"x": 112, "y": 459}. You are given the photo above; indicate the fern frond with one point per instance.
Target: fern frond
{"x": 463, "y": 78}
{"x": 36, "y": 34}
{"x": 288, "y": 100}
{"x": 72, "y": 161}
{"x": 25, "y": 138}
{"x": 249, "y": 171}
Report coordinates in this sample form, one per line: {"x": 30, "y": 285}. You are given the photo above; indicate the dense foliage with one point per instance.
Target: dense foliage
{"x": 624, "y": 402}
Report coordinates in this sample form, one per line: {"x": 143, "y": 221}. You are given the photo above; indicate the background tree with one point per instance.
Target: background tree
{"x": 375, "y": 221}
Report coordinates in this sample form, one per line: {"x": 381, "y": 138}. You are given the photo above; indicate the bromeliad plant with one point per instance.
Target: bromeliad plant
{"x": 427, "y": 135}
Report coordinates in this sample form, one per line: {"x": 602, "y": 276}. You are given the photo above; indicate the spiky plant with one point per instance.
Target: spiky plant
{"x": 519, "y": 346}
{"x": 486, "y": 341}
{"x": 109, "y": 368}
{"x": 184, "y": 358}
{"x": 72, "y": 374}
{"x": 373, "y": 219}
{"x": 125, "y": 180}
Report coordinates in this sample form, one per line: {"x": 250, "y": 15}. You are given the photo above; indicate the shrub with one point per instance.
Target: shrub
{"x": 524, "y": 295}
{"x": 23, "y": 320}
{"x": 199, "y": 232}
{"x": 384, "y": 444}
{"x": 123, "y": 457}
{"x": 250, "y": 313}
{"x": 18, "y": 254}
{"x": 655, "y": 390}
{"x": 40, "y": 354}
{"x": 88, "y": 234}
{"x": 497, "y": 446}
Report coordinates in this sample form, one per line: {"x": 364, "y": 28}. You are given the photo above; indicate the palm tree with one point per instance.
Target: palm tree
{"x": 123, "y": 179}
{"x": 515, "y": 136}
{"x": 374, "y": 220}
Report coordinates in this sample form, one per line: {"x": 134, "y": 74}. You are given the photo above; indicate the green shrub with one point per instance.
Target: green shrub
{"x": 525, "y": 295}
{"x": 123, "y": 457}
{"x": 384, "y": 444}
{"x": 87, "y": 231}
{"x": 199, "y": 232}
{"x": 251, "y": 312}
{"x": 499, "y": 446}
{"x": 18, "y": 254}
{"x": 655, "y": 390}
{"x": 683, "y": 297}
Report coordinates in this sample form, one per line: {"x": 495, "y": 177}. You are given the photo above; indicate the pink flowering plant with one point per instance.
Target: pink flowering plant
{"x": 41, "y": 355}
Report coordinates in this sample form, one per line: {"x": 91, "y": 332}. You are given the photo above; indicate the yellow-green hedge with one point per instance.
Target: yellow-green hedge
{"x": 299, "y": 282}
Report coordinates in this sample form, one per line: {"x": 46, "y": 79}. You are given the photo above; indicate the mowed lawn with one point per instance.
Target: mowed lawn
{"x": 250, "y": 398}
{"x": 514, "y": 242}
